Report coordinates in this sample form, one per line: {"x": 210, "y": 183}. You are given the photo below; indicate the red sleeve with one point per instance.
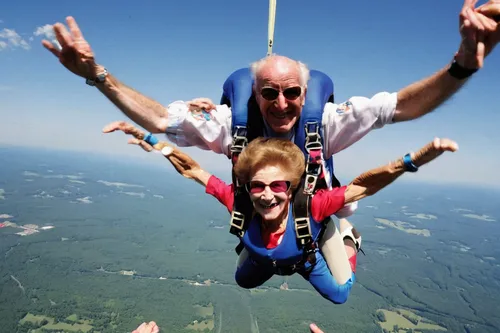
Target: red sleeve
{"x": 221, "y": 191}
{"x": 327, "y": 202}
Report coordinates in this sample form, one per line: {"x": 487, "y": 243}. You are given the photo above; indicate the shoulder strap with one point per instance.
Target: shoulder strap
{"x": 309, "y": 132}
{"x": 301, "y": 203}
{"x": 319, "y": 92}
{"x": 309, "y": 137}
{"x": 237, "y": 94}
{"x": 237, "y": 91}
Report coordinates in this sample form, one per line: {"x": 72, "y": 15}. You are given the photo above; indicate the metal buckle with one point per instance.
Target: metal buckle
{"x": 240, "y": 140}
{"x": 240, "y": 131}
{"x": 312, "y": 174}
{"x": 238, "y": 144}
{"x": 310, "y": 184}
{"x": 313, "y": 144}
{"x": 313, "y": 169}
{"x": 311, "y": 127}
{"x": 236, "y": 222}
{"x": 302, "y": 228}
{"x": 313, "y": 139}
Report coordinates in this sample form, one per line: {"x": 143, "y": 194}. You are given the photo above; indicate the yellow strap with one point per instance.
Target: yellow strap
{"x": 270, "y": 27}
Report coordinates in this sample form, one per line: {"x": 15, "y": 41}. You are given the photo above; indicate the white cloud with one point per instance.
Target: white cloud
{"x": 10, "y": 38}
{"x": 47, "y": 31}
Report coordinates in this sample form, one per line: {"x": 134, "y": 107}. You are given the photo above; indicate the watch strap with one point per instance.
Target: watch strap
{"x": 101, "y": 77}
{"x": 459, "y": 72}
{"x": 408, "y": 163}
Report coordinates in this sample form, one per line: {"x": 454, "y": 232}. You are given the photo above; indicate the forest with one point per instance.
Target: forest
{"x": 168, "y": 238}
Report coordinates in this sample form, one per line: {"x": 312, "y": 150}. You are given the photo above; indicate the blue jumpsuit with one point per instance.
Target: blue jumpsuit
{"x": 260, "y": 264}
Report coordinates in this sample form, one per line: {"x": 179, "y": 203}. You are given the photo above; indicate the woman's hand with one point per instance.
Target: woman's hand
{"x": 138, "y": 135}
{"x": 372, "y": 181}
{"x": 432, "y": 150}
{"x": 182, "y": 162}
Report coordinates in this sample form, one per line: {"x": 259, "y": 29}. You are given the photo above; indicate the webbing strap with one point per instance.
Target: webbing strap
{"x": 309, "y": 183}
{"x": 241, "y": 212}
{"x": 314, "y": 161}
{"x": 301, "y": 216}
{"x": 242, "y": 208}
{"x": 270, "y": 26}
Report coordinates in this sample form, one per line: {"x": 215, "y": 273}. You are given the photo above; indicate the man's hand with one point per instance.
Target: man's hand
{"x": 75, "y": 54}
{"x": 491, "y": 9}
{"x": 479, "y": 33}
{"x": 201, "y": 103}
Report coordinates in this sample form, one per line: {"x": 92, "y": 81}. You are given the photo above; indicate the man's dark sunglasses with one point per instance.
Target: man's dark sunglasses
{"x": 271, "y": 94}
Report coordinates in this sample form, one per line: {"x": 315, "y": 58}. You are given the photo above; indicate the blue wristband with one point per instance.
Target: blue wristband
{"x": 408, "y": 163}
{"x": 151, "y": 139}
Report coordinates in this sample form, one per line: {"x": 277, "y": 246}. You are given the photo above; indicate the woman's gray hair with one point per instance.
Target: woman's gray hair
{"x": 303, "y": 70}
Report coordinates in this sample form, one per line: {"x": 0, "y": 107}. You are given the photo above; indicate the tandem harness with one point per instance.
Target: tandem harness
{"x": 247, "y": 124}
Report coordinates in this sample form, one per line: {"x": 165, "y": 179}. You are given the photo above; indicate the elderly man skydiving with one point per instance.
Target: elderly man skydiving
{"x": 280, "y": 90}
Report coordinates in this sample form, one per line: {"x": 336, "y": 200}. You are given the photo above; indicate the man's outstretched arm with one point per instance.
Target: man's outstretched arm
{"x": 77, "y": 56}
{"x": 142, "y": 110}
{"x": 480, "y": 33}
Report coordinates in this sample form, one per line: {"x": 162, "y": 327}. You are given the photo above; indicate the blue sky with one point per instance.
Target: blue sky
{"x": 172, "y": 50}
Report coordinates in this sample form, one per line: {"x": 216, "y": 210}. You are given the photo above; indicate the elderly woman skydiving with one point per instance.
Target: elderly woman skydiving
{"x": 271, "y": 169}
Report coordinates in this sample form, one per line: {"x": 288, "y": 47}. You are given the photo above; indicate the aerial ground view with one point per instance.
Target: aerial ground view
{"x": 99, "y": 236}
{"x": 86, "y": 249}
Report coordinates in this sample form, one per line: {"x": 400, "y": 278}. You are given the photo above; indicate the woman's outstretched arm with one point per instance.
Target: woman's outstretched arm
{"x": 372, "y": 181}
{"x": 183, "y": 163}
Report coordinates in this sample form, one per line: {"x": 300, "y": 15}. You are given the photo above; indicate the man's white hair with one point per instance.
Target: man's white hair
{"x": 303, "y": 70}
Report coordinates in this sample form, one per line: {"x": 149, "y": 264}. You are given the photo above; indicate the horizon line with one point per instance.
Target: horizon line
{"x": 145, "y": 162}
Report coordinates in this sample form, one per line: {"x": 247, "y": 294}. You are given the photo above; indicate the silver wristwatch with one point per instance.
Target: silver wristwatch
{"x": 99, "y": 78}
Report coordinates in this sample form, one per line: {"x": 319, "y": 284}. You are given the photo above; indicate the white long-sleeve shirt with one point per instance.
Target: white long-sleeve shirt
{"x": 343, "y": 125}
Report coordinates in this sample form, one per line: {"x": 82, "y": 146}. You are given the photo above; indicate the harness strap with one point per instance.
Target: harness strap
{"x": 242, "y": 208}
{"x": 314, "y": 159}
{"x": 270, "y": 26}
{"x": 301, "y": 216}
{"x": 303, "y": 229}
{"x": 306, "y": 263}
